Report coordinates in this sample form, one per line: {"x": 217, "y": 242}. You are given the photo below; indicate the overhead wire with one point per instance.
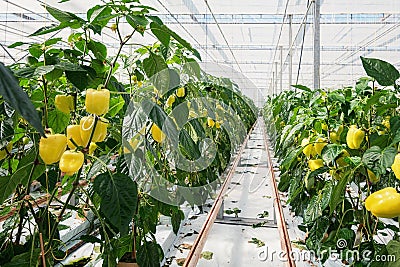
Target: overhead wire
{"x": 223, "y": 35}
{"x": 184, "y": 28}
{"x": 302, "y": 45}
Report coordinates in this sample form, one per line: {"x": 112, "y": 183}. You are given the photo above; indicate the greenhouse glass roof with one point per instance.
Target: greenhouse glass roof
{"x": 251, "y": 37}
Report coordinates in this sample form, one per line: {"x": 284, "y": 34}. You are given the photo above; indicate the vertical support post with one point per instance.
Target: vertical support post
{"x": 281, "y": 69}
{"x": 317, "y": 43}
{"x": 220, "y": 214}
{"x": 273, "y": 82}
{"x": 290, "y": 52}
{"x": 276, "y": 77}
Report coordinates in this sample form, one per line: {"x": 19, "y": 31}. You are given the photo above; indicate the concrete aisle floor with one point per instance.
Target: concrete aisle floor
{"x": 251, "y": 192}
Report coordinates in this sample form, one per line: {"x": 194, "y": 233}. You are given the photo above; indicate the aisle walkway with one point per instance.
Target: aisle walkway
{"x": 250, "y": 238}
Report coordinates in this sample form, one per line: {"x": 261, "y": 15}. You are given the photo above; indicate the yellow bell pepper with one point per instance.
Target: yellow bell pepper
{"x": 74, "y": 132}
{"x": 71, "y": 161}
{"x": 319, "y": 145}
{"x": 334, "y": 136}
{"x": 170, "y": 100}
{"x": 86, "y": 128}
{"x": 340, "y": 161}
{"x": 97, "y": 101}
{"x": 308, "y": 149}
{"x": 324, "y": 127}
{"x": 180, "y": 92}
{"x": 210, "y": 122}
{"x": 64, "y": 103}
{"x": 92, "y": 148}
{"x": 384, "y": 203}
{"x": 52, "y": 147}
{"x": 386, "y": 123}
{"x": 354, "y": 137}
{"x": 133, "y": 143}
{"x": 5, "y": 151}
{"x": 315, "y": 164}
{"x": 396, "y": 166}
{"x": 372, "y": 177}
{"x": 157, "y": 134}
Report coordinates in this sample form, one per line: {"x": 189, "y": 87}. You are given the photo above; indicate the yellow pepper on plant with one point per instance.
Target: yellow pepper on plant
{"x": 396, "y": 166}
{"x": 97, "y": 101}
{"x": 354, "y": 137}
{"x": 319, "y": 145}
{"x": 71, "y": 161}
{"x": 74, "y": 133}
{"x": 86, "y": 128}
{"x": 384, "y": 203}
{"x": 52, "y": 147}
{"x": 308, "y": 149}
{"x": 315, "y": 164}
{"x": 180, "y": 92}
{"x": 64, "y": 103}
{"x": 157, "y": 134}
{"x": 5, "y": 151}
{"x": 372, "y": 177}
{"x": 210, "y": 122}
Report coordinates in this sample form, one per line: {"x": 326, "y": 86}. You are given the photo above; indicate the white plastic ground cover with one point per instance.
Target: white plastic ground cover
{"x": 250, "y": 192}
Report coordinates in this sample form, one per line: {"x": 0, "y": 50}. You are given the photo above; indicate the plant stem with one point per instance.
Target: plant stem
{"x": 45, "y": 115}
{"x": 96, "y": 119}
{"x": 74, "y": 187}
{"x": 122, "y": 43}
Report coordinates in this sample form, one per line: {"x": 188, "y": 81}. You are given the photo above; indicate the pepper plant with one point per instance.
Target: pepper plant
{"x": 62, "y": 135}
{"x": 336, "y": 148}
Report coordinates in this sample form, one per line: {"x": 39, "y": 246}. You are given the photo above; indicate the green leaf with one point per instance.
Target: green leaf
{"x": 393, "y": 248}
{"x": 16, "y": 44}
{"x": 330, "y": 152}
{"x": 383, "y": 72}
{"x": 52, "y": 41}
{"x": 78, "y": 78}
{"x": 26, "y": 167}
{"x": 18, "y": 99}
{"x": 118, "y": 193}
{"x": 52, "y": 28}
{"x": 163, "y": 31}
{"x": 98, "y": 49}
{"x": 91, "y": 239}
{"x": 192, "y": 68}
{"x": 62, "y": 16}
{"x": 176, "y": 219}
{"x": 153, "y": 64}
{"x": 377, "y": 160}
{"x": 291, "y": 157}
{"x": 42, "y": 70}
{"x": 26, "y": 259}
{"x": 138, "y": 22}
{"x": 163, "y": 36}
{"x": 99, "y": 15}
{"x": 188, "y": 146}
{"x": 6, "y": 132}
{"x": 68, "y": 66}
{"x": 302, "y": 87}
{"x": 149, "y": 254}
{"x": 317, "y": 233}
{"x": 338, "y": 192}
{"x": 318, "y": 203}
{"x": 207, "y": 255}
{"x": 58, "y": 120}
{"x": 116, "y": 104}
